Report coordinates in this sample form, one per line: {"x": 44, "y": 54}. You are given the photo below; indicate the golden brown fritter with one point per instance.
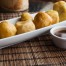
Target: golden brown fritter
{"x": 42, "y": 19}
{"x": 7, "y": 29}
{"x": 26, "y": 16}
{"x": 55, "y": 16}
{"x": 61, "y": 8}
{"x": 25, "y": 26}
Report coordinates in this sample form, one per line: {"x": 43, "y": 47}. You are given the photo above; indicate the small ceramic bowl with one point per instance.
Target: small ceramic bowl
{"x": 58, "y": 41}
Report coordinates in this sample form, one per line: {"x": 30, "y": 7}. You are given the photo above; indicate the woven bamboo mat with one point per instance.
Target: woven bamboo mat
{"x": 37, "y": 51}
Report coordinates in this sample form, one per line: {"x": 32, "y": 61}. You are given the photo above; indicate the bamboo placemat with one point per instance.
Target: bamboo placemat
{"x": 37, "y": 51}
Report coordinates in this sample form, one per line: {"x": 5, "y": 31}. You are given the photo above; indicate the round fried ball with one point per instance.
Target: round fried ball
{"x": 42, "y": 19}
{"x": 26, "y": 16}
{"x": 61, "y": 8}
{"x": 55, "y": 16}
{"x": 7, "y": 29}
{"x": 25, "y": 26}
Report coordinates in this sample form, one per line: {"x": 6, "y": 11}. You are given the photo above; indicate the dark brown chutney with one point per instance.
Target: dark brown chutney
{"x": 61, "y": 33}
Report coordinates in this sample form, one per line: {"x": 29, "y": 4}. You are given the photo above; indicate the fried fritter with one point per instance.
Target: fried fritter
{"x": 42, "y": 19}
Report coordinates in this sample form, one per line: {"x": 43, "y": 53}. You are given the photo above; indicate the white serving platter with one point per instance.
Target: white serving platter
{"x": 26, "y": 36}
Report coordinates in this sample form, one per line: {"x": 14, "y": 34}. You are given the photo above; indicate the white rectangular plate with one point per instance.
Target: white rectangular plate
{"x": 25, "y": 36}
